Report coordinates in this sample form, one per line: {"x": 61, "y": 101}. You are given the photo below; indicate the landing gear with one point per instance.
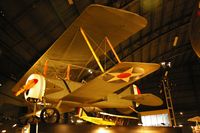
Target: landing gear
{"x": 33, "y": 120}
{"x": 50, "y": 115}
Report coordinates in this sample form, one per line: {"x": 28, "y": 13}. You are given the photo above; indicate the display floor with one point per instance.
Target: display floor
{"x": 62, "y": 128}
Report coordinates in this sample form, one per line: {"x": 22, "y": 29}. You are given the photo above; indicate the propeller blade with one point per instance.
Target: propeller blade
{"x": 27, "y": 86}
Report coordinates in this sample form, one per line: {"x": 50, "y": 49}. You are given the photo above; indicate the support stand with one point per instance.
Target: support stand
{"x": 168, "y": 98}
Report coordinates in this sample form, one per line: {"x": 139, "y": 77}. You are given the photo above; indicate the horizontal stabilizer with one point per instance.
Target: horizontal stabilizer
{"x": 145, "y": 99}
{"x": 195, "y": 119}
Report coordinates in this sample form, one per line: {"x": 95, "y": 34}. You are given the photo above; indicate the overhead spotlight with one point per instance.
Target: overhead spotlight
{"x": 0, "y": 84}
{"x": 3, "y": 131}
{"x": 181, "y": 113}
{"x": 14, "y": 125}
{"x": 72, "y": 121}
{"x": 90, "y": 71}
{"x": 169, "y": 64}
{"x": 180, "y": 125}
{"x": 175, "y": 41}
{"x": 79, "y": 121}
{"x": 163, "y": 63}
{"x": 166, "y": 64}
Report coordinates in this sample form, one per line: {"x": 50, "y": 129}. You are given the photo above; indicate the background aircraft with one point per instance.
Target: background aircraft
{"x": 107, "y": 119}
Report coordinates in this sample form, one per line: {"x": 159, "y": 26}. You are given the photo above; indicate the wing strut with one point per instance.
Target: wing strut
{"x": 66, "y": 85}
{"x": 91, "y": 49}
{"x": 68, "y": 72}
{"x": 113, "y": 50}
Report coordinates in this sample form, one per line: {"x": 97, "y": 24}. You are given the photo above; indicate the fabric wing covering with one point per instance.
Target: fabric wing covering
{"x": 70, "y": 48}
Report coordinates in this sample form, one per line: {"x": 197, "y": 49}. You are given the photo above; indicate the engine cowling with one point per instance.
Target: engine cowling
{"x": 37, "y": 91}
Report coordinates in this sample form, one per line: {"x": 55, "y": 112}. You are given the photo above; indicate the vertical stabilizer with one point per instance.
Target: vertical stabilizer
{"x": 136, "y": 91}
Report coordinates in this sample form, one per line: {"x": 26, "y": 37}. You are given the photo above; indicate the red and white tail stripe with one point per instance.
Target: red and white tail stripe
{"x": 136, "y": 90}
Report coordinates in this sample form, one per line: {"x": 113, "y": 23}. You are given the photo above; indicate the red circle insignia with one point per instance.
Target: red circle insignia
{"x": 124, "y": 75}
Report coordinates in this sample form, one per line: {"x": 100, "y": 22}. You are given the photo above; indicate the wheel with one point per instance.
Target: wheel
{"x": 50, "y": 115}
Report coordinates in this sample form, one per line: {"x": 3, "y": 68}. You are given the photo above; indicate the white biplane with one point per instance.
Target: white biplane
{"x": 79, "y": 50}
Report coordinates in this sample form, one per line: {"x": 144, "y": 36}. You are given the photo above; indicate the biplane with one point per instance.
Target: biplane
{"x": 105, "y": 119}
{"x": 70, "y": 73}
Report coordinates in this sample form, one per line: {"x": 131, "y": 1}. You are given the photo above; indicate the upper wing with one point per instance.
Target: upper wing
{"x": 97, "y": 21}
{"x": 119, "y": 116}
{"x": 100, "y": 87}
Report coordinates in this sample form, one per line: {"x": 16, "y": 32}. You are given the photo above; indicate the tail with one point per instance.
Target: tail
{"x": 81, "y": 113}
{"x": 136, "y": 91}
{"x": 132, "y": 90}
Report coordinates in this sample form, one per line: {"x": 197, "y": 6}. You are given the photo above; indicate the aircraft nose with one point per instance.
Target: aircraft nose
{"x": 35, "y": 80}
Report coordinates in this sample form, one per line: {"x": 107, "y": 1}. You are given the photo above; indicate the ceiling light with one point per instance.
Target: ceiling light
{"x": 169, "y": 64}
{"x": 166, "y": 64}
{"x": 163, "y": 63}
{"x": 181, "y": 113}
{"x": 79, "y": 121}
{"x": 175, "y": 41}
{"x": 14, "y": 125}
{"x": 3, "y": 131}
{"x": 90, "y": 71}
{"x": 0, "y": 84}
{"x": 180, "y": 125}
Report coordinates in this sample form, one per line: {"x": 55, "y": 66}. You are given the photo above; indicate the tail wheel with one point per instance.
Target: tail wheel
{"x": 50, "y": 115}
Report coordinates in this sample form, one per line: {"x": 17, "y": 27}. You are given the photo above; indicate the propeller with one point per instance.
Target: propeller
{"x": 27, "y": 86}
{"x": 32, "y": 82}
